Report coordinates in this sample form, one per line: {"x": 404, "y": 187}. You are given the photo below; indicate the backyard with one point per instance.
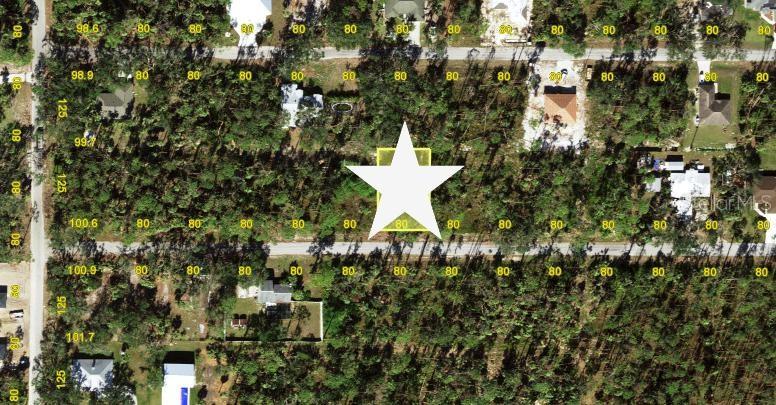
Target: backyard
{"x": 767, "y": 152}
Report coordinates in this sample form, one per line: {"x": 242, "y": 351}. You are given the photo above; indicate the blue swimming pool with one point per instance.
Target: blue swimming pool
{"x": 184, "y": 396}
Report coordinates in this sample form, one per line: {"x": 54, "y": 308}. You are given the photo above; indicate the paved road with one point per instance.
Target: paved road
{"x": 725, "y": 249}
{"x": 39, "y": 246}
{"x": 481, "y": 53}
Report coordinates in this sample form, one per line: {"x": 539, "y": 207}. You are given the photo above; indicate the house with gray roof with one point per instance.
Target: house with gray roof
{"x": 409, "y": 10}
{"x": 93, "y": 374}
{"x": 713, "y": 108}
{"x": 269, "y": 293}
{"x": 116, "y": 104}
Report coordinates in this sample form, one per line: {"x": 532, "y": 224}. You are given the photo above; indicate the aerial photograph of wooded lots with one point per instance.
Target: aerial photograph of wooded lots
{"x": 181, "y": 223}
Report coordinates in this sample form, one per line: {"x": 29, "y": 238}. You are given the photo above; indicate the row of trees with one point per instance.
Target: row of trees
{"x": 212, "y": 149}
{"x": 543, "y": 328}
{"x": 643, "y": 105}
{"x": 758, "y": 102}
{"x": 524, "y": 337}
{"x": 15, "y": 181}
{"x": 13, "y": 225}
{"x": 16, "y": 17}
{"x": 92, "y": 303}
{"x": 121, "y": 307}
{"x": 637, "y": 24}
{"x": 111, "y": 24}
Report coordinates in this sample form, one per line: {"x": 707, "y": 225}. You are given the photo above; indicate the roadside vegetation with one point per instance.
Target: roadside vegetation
{"x": 609, "y": 329}
{"x": 15, "y": 180}
{"x": 16, "y": 17}
{"x": 147, "y": 22}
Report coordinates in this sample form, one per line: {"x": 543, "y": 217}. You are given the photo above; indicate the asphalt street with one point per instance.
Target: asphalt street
{"x": 725, "y": 249}
{"x": 39, "y": 245}
{"x": 500, "y": 53}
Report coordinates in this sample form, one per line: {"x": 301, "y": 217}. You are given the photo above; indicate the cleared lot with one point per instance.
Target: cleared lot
{"x": 555, "y": 115}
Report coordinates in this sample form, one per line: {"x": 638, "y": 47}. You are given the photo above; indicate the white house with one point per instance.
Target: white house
{"x": 179, "y": 379}
{"x": 248, "y": 18}
{"x": 295, "y": 101}
{"x": 689, "y": 184}
{"x": 687, "y": 181}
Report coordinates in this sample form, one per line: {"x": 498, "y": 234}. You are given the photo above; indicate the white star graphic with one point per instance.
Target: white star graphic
{"x": 404, "y": 186}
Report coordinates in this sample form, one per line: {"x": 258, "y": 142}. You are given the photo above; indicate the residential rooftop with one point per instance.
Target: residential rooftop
{"x": 93, "y": 374}
{"x": 269, "y": 293}
{"x": 405, "y": 9}
{"x": 714, "y": 108}
{"x": 560, "y": 104}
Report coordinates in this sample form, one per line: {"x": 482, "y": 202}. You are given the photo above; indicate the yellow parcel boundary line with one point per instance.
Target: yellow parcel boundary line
{"x": 389, "y": 229}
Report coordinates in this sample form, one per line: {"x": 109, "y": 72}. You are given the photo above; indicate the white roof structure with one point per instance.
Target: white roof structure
{"x": 294, "y": 99}
{"x": 268, "y": 293}
{"x": 673, "y": 165}
{"x": 178, "y": 381}
{"x": 687, "y": 185}
{"x": 249, "y": 12}
{"x": 513, "y": 13}
{"x": 93, "y": 374}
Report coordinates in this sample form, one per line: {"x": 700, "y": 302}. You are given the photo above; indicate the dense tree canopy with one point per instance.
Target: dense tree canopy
{"x": 15, "y": 19}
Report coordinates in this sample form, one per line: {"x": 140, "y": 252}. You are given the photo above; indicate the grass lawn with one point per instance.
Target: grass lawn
{"x": 328, "y": 75}
{"x": 469, "y": 35}
{"x": 17, "y": 109}
{"x": 246, "y": 306}
{"x": 729, "y": 78}
{"x": 282, "y": 264}
{"x": 767, "y": 152}
{"x": 149, "y": 396}
{"x": 753, "y": 39}
{"x": 14, "y": 59}
{"x": 189, "y": 346}
{"x": 141, "y": 92}
{"x": 309, "y": 325}
{"x": 192, "y": 314}
{"x": 137, "y": 359}
{"x": 711, "y": 136}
